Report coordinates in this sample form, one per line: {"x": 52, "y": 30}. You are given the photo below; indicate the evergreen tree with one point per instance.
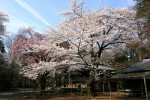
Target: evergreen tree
{"x": 143, "y": 11}
{"x": 2, "y": 48}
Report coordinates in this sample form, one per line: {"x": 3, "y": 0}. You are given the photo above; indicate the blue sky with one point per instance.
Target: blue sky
{"x": 43, "y": 13}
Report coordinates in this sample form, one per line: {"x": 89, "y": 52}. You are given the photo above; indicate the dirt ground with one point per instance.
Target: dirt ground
{"x": 30, "y": 96}
{"x": 96, "y": 98}
{"x": 100, "y": 97}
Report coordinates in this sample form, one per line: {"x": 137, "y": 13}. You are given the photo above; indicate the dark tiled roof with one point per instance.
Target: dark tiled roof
{"x": 100, "y": 67}
{"x": 140, "y": 67}
{"x": 138, "y": 70}
{"x": 131, "y": 75}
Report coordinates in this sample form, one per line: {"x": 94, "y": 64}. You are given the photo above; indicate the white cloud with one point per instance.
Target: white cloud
{"x": 36, "y": 14}
{"x": 16, "y": 23}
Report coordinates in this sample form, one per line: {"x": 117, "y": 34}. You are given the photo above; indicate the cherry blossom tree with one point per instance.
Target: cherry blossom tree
{"x": 24, "y": 38}
{"x": 85, "y": 37}
{"x": 39, "y": 55}
{"x": 92, "y": 34}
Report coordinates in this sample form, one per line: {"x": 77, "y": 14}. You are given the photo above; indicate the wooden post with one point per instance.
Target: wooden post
{"x": 103, "y": 87}
{"x": 117, "y": 86}
{"x": 142, "y": 88}
{"x": 145, "y": 88}
{"x": 109, "y": 87}
{"x": 71, "y": 87}
{"x": 69, "y": 80}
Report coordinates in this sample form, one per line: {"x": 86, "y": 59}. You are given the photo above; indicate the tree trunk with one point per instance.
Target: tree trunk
{"x": 59, "y": 81}
{"x": 43, "y": 79}
{"x": 91, "y": 86}
{"x": 43, "y": 82}
{"x": 139, "y": 55}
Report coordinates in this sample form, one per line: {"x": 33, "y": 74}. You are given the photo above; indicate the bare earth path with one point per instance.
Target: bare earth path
{"x": 14, "y": 95}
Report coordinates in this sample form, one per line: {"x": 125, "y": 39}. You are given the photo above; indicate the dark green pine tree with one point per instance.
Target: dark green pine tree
{"x": 2, "y": 48}
{"x": 143, "y": 11}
